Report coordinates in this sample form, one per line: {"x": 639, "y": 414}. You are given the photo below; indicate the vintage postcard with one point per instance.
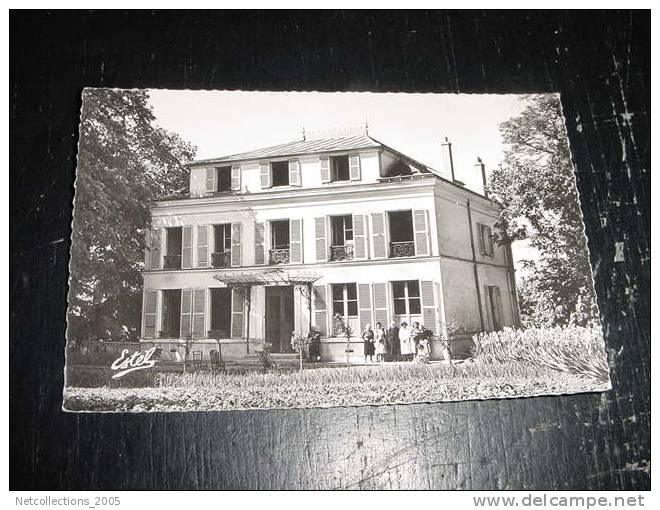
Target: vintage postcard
{"x": 259, "y": 250}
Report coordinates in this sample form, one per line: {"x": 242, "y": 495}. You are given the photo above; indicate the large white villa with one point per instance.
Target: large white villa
{"x": 283, "y": 238}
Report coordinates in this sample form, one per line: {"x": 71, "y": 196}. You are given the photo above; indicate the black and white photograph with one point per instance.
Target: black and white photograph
{"x": 259, "y": 250}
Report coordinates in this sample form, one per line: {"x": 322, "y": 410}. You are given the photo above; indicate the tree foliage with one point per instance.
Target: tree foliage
{"x": 124, "y": 161}
{"x": 535, "y": 188}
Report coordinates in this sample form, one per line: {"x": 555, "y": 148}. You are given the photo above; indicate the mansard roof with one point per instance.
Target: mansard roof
{"x": 301, "y": 147}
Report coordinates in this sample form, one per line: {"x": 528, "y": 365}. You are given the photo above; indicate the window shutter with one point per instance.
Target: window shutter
{"x": 321, "y": 237}
{"x": 147, "y": 249}
{"x": 149, "y": 313}
{"x": 295, "y": 241}
{"x": 236, "y": 177}
{"x": 378, "y": 235}
{"x": 294, "y": 173}
{"x": 203, "y": 246}
{"x": 429, "y": 319}
{"x": 186, "y": 248}
{"x": 359, "y": 237}
{"x": 186, "y": 313}
{"x": 480, "y": 236}
{"x": 496, "y": 307}
{"x": 364, "y": 305}
{"x": 237, "y": 309}
{"x": 236, "y": 244}
{"x": 153, "y": 248}
{"x": 380, "y": 304}
{"x": 199, "y": 302}
{"x": 420, "y": 224}
{"x": 488, "y": 240}
{"x": 354, "y": 167}
{"x": 325, "y": 169}
{"x": 265, "y": 175}
{"x": 259, "y": 247}
{"x": 320, "y": 310}
{"x": 211, "y": 180}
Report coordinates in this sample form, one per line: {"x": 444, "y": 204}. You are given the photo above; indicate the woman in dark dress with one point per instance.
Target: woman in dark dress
{"x": 369, "y": 343}
{"x": 393, "y": 343}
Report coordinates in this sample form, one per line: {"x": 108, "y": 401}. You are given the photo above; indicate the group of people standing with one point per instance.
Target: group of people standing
{"x": 396, "y": 343}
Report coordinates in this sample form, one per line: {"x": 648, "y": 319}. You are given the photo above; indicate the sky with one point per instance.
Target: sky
{"x": 220, "y": 123}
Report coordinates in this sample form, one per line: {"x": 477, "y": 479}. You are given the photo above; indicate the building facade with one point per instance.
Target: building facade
{"x": 318, "y": 228}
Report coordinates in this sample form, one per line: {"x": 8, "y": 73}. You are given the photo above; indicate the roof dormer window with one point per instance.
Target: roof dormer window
{"x": 339, "y": 169}
{"x": 280, "y": 173}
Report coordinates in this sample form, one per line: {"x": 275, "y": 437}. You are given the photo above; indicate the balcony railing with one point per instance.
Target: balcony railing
{"x": 172, "y": 262}
{"x": 279, "y": 256}
{"x": 221, "y": 259}
{"x": 343, "y": 252}
{"x": 402, "y": 249}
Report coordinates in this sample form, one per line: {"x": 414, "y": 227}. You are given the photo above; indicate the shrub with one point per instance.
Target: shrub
{"x": 573, "y": 349}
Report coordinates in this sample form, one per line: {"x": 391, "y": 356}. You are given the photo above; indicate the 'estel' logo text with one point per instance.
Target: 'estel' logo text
{"x": 137, "y": 361}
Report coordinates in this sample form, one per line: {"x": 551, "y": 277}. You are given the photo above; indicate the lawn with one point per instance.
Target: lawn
{"x": 505, "y": 364}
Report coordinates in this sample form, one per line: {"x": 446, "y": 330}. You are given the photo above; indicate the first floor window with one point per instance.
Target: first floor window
{"x": 406, "y": 296}
{"x": 344, "y": 299}
{"x": 485, "y": 236}
{"x": 279, "y": 234}
{"x": 171, "y": 314}
{"x": 222, "y": 238}
{"x": 342, "y": 229}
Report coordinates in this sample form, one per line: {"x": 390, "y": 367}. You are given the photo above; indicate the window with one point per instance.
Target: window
{"x": 279, "y": 235}
{"x": 280, "y": 173}
{"x": 171, "y": 314}
{"x": 344, "y": 299}
{"x": 223, "y": 178}
{"x": 485, "y": 236}
{"x": 495, "y": 305}
{"x": 402, "y": 240}
{"x": 342, "y": 229}
{"x": 406, "y": 297}
{"x": 220, "y": 313}
{"x": 174, "y": 244}
{"x": 339, "y": 168}
{"x": 222, "y": 238}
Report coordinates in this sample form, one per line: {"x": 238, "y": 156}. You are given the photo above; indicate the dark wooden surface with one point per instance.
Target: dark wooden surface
{"x": 599, "y": 61}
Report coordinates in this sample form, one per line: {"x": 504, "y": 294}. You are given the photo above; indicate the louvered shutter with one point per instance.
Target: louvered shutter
{"x": 364, "y": 305}
{"x": 236, "y": 177}
{"x": 259, "y": 247}
{"x": 420, "y": 224}
{"x": 186, "y": 248}
{"x": 265, "y": 176}
{"x": 488, "y": 241}
{"x": 325, "y": 169}
{"x": 294, "y": 173}
{"x": 429, "y": 312}
{"x": 321, "y": 238}
{"x": 380, "y": 304}
{"x": 378, "y": 235}
{"x": 480, "y": 236}
{"x": 149, "y": 313}
{"x": 236, "y": 244}
{"x": 354, "y": 167}
{"x": 295, "y": 241}
{"x": 359, "y": 237}
{"x": 320, "y": 309}
{"x": 237, "y": 312}
{"x": 186, "y": 313}
{"x": 153, "y": 248}
{"x": 199, "y": 305}
{"x": 202, "y": 246}
{"x": 211, "y": 180}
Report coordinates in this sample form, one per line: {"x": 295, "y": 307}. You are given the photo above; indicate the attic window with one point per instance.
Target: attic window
{"x": 339, "y": 168}
{"x": 280, "y": 170}
{"x": 224, "y": 178}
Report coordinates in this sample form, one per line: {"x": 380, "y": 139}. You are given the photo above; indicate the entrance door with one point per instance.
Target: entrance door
{"x": 279, "y": 317}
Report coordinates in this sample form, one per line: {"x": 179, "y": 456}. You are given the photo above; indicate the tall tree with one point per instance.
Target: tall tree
{"x": 536, "y": 190}
{"x": 124, "y": 161}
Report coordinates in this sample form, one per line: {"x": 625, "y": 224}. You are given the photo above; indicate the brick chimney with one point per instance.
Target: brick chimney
{"x": 448, "y": 159}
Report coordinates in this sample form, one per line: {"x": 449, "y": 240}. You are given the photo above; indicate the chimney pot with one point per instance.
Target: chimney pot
{"x": 448, "y": 158}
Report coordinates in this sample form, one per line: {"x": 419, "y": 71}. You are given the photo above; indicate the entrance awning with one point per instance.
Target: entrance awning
{"x": 276, "y": 277}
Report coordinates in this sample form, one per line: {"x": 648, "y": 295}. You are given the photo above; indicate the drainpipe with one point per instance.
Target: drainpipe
{"x": 474, "y": 265}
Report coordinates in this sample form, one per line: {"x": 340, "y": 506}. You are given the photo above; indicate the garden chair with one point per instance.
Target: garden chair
{"x": 267, "y": 362}
{"x": 217, "y": 363}
{"x": 198, "y": 357}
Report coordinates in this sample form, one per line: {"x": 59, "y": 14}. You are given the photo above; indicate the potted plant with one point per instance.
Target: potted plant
{"x": 298, "y": 343}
